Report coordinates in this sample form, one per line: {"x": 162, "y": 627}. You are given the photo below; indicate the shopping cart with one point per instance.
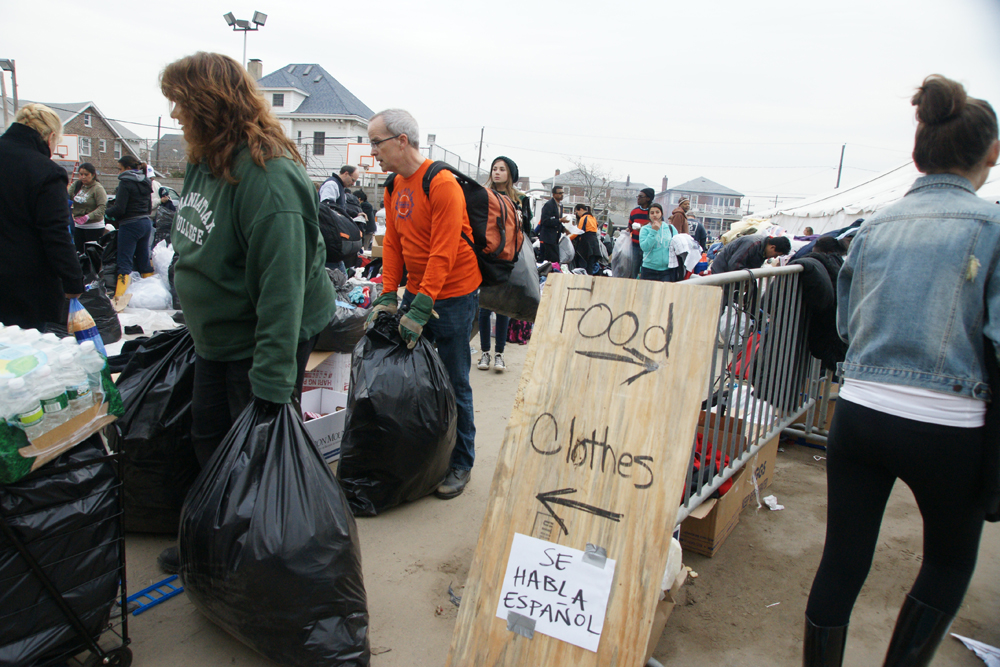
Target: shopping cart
{"x": 62, "y": 563}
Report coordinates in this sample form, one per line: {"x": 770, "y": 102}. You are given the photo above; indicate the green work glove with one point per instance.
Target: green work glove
{"x": 385, "y": 303}
{"x": 411, "y": 325}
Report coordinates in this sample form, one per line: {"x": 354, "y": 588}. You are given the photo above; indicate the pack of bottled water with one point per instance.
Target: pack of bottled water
{"x": 44, "y": 380}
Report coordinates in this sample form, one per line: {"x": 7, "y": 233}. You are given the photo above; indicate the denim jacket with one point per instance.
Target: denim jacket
{"x": 920, "y": 289}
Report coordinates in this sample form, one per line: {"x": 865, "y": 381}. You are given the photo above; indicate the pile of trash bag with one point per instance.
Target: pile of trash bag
{"x": 401, "y": 421}
{"x": 520, "y": 295}
{"x": 268, "y": 547}
{"x": 159, "y": 464}
{"x": 345, "y": 329}
{"x": 66, "y": 513}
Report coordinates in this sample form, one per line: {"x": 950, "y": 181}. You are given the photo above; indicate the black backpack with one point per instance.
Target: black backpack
{"x": 341, "y": 235}
{"x": 497, "y": 245}
{"x": 352, "y": 205}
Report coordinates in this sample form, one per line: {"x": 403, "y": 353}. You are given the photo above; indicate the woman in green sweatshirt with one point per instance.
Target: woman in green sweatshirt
{"x": 250, "y": 274}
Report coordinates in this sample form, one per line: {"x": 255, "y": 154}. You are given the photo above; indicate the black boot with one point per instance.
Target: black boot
{"x": 919, "y": 630}
{"x": 823, "y": 647}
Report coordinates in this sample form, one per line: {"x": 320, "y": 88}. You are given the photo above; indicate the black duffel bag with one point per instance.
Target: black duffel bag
{"x": 520, "y": 295}
{"x": 341, "y": 235}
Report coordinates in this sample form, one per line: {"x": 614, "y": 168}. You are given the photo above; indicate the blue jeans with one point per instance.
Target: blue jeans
{"x": 451, "y": 333}
{"x": 484, "y": 330}
{"x": 133, "y": 242}
{"x": 636, "y": 260}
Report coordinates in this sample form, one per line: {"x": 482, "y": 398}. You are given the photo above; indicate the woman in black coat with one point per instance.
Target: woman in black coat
{"x": 38, "y": 264}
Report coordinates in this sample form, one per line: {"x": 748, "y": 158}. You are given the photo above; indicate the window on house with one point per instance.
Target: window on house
{"x": 118, "y": 149}
{"x": 300, "y": 138}
{"x": 102, "y": 145}
{"x": 84, "y": 146}
{"x": 87, "y": 122}
{"x": 319, "y": 143}
{"x": 278, "y": 99}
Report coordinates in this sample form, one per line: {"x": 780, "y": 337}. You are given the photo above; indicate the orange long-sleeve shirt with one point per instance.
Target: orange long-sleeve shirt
{"x": 425, "y": 235}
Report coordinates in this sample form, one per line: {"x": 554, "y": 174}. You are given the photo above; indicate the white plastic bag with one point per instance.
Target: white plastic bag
{"x": 149, "y": 320}
{"x": 163, "y": 254}
{"x": 152, "y": 293}
{"x": 621, "y": 256}
{"x": 566, "y": 251}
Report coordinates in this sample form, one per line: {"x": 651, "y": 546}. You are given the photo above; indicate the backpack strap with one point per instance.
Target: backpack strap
{"x": 389, "y": 182}
{"x": 432, "y": 171}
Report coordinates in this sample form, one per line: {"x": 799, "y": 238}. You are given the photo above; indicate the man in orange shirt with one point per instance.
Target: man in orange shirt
{"x": 424, "y": 234}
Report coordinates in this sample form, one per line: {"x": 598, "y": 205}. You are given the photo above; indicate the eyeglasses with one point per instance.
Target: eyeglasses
{"x": 376, "y": 143}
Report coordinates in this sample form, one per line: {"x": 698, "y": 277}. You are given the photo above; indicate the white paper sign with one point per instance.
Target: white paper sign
{"x": 552, "y": 585}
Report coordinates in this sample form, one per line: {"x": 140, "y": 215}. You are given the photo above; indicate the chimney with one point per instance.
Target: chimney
{"x": 256, "y": 69}
{"x": 664, "y": 188}
{"x": 557, "y": 172}
{"x": 431, "y": 139}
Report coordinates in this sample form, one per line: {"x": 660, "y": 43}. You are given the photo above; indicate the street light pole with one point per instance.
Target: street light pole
{"x": 244, "y": 26}
{"x": 7, "y": 65}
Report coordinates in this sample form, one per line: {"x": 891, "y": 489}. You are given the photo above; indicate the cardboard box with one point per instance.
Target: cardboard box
{"x": 327, "y": 431}
{"x": 376, "y": 248}
{"x": 707, "y": 527}
{"x": 379, "y": 238}
{"x": 328, "y": 370}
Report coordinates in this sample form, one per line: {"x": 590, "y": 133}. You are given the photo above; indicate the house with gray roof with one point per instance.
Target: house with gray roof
{"x": 610, "y": 200}
{"x": 714, "y": 205}
{"x": 318, "y": 113}
{"x": 101, "y": 141}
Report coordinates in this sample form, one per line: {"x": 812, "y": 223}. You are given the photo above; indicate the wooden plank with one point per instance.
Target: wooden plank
{"x": 607, "y": 405}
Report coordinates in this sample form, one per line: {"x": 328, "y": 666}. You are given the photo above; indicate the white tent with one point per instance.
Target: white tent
{"x": 839, "y": 208}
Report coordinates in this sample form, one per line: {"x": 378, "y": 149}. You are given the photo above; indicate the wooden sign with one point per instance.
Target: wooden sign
{"x": 594, "y": 460}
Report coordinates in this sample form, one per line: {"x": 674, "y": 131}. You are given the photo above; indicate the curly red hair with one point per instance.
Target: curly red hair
{"x": 226, "y": 110}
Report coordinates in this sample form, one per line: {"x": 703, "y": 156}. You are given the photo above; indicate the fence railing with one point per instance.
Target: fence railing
{"x": 763, "y": 377}
{"x": 436, "y": 152}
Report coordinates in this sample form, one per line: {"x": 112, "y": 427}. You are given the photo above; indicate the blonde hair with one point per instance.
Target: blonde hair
{"x": 41, "y": 119}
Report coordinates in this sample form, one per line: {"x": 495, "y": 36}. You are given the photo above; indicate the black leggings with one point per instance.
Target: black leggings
{"x": 866, "y": 451}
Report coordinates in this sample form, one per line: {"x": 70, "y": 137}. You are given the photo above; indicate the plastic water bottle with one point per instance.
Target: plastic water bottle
{"x": 48, "y": 344}
{"x": 25, "y": 409}
{"x": 69, "y": 344}
{"x": 92, "y": 363}
{"x": 71, "y": 375}
{"x": 52, "y": 395}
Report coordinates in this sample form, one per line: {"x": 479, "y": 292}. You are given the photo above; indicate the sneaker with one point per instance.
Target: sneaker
{"x": 498, "y": 363}
{"x": 169, "y": 560}
{"x": 453, "y": 484}
{"x": 484, "y": 362}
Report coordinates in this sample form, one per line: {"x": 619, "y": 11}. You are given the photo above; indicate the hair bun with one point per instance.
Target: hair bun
{"x": 939, "y": 100}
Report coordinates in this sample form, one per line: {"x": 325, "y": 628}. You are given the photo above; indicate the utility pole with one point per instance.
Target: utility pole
{"x": 157, "y": 160}
{"x": 841, "y": 167}
{"x": 3, "y": 98}
{"x": 775, "y": 201}
{"x": 479, "y": 161}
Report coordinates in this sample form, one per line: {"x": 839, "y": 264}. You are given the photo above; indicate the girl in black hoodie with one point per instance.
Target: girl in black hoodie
{"x": 131, "y": 213}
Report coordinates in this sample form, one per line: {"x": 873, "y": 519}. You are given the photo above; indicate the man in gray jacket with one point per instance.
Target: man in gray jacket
{"x": 750, "y": 252}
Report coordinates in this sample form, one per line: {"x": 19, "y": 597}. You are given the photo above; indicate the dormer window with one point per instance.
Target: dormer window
{"x": 277, "y": 99}
{"x": 87, "y": 122}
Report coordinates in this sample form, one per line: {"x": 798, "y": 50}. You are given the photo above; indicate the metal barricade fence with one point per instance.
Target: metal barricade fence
{"x": 763, "y": 377}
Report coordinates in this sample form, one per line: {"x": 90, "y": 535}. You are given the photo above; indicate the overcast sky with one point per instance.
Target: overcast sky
{"x": 758, "y": 96}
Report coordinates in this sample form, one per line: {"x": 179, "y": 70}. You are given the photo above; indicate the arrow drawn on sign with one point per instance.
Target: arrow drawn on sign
{"x": 554, "y": 498}
{"x": 639, "y": 360}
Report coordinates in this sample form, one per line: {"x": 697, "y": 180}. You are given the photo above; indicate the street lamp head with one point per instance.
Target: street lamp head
{"x": 242, "y": 23}
{"x": 259, "y": 18}
{"x": 230, "y": 19}
{"x": 7, "y": 65}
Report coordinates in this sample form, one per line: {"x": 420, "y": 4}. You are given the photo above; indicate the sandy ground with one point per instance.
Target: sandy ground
{"x": 413, "y": 553}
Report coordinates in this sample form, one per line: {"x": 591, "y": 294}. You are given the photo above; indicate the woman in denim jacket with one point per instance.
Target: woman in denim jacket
{"x": 914, "y": 393}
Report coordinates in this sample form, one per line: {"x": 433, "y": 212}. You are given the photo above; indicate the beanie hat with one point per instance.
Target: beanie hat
{"x": 163, "y": 192}
{"x": 511, "y": 167}
{"x": 649, "y": 192}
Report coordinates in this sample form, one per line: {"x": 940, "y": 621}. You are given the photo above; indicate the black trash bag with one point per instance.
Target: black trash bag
{"x": 159, "y": 464}
{"x": 66, "y": 514}
{"x": 99, "y": 305}
{"x": 344, "y": 331}
{"x": 268, "y": 547}
{"x": 520, "y": 295}
{"x": 90, "y": 261}
{"x": 401, "y": 421}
